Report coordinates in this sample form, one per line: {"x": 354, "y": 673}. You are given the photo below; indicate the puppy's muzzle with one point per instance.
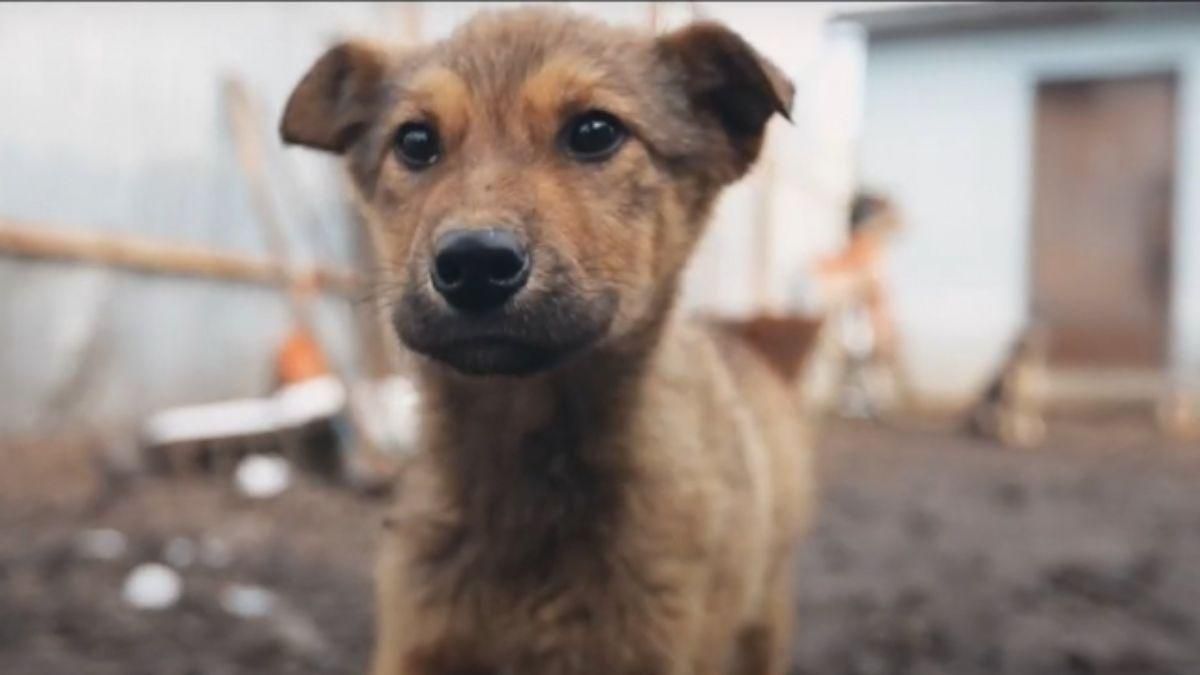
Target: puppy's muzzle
{"x": 477, "y": 304}
{"x": 477, "y": 271}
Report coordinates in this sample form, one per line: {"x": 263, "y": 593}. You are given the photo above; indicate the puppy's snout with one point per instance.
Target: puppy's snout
{"x": 478, "y": 270}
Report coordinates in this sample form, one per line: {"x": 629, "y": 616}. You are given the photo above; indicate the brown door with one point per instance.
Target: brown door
{"x": 1103, "y": 179}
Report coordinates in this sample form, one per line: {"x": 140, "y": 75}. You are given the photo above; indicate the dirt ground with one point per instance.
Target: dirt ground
{"x": 932, "y": 554}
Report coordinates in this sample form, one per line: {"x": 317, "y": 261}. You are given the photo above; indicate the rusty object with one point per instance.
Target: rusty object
{"x": 300, "y": 358}
{"x": 784, "y": 341}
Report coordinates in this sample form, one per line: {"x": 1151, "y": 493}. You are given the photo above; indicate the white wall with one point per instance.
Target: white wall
{"x": 948, "y": 130}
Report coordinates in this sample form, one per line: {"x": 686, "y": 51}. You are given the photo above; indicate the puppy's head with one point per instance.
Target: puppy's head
{"x": 538, "y": 179}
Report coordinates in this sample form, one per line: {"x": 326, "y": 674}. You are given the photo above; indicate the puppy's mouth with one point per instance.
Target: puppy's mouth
{"x": 525, "y": 337}
{"x": 498, "y": 356}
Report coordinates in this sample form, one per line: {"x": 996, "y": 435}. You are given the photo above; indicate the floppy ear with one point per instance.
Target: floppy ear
{"x": 337, "y": 99}
{"x": 726, "y": 79}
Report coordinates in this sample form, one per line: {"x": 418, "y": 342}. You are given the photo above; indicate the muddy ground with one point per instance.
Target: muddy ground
{"x": 932, "y": 554}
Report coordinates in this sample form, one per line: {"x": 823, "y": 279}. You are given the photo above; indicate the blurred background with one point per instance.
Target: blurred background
{"x": 977, "y": 246}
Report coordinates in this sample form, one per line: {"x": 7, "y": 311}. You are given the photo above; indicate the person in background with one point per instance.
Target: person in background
{"x": 850, "y": 286}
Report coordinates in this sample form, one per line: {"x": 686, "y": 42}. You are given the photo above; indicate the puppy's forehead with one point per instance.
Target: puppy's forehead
{"x": 541, "y": 58}
{"x": 502, "y": 49}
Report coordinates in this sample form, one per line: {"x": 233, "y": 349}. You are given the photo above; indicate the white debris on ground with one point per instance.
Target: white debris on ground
{"x": 152, "y": 586}
{"x": 313, "y": 399}
{"x": 291, "y": 627}
{"x": 180, "y": 552}
{"x": 298, "y": 632}
{"x": 223, "y": 419}
{"x": 246, "y": 601}
{"x": 215, "y": 553}
{"x": 262, "y": 476}
{"x": 292, "y": 406}
{"x": 101, "y": 544}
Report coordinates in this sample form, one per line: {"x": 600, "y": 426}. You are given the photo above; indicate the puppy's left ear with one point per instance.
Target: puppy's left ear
{"x": 728, "y": 81}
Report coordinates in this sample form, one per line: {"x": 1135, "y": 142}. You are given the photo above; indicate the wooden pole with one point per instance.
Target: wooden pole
{"x": 243, "y": 118}
{"x": 763, "y": 242}
{"x": 251, "y": 149}
{"x": 413, "y": 21}
{"x": 138, "y": 254}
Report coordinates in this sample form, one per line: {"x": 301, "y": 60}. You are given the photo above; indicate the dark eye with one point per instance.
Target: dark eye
{"x": 417, "y": 145}
{"x": 593, "y": 136}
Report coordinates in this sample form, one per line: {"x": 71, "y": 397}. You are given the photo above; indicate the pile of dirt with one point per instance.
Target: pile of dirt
{"x": 932, "y": 553}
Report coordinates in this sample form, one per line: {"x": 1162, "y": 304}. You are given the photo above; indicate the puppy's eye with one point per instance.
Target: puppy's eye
{"x": 593, "y": 136}
{"x": 417, "y": 145}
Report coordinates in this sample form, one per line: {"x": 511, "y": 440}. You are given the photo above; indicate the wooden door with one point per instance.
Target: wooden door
{"x": 1103, "y": 181}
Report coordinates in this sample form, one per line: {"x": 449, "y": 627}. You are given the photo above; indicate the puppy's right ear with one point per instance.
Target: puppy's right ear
{"x": 337, "y": 99}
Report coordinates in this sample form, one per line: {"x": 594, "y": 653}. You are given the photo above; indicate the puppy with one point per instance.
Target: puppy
{"x": 602, "y": 488}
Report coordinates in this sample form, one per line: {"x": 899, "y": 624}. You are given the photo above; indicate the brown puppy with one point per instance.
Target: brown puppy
{"x": 602, "y": 489}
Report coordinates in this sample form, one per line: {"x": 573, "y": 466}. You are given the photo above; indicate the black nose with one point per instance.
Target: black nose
{"x": 477, "y": 270}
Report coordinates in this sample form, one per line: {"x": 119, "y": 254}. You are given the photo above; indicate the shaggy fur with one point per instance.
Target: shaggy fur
{"x": 628, "y": 504}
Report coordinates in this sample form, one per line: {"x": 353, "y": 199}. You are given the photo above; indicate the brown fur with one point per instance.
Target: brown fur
{"x": 629, "y": 505}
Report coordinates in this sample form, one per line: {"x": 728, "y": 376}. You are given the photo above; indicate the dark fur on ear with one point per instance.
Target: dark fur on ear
{"x": 726, "y": 78}
{"x": 337, "y": 98}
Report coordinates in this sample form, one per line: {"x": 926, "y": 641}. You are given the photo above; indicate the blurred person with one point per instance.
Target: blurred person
{"x": 849, "y": 285}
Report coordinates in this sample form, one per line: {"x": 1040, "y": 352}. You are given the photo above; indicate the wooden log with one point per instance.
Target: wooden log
{"x": 140, "y": 254}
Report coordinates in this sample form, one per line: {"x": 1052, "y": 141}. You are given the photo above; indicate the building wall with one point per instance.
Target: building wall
{"x": 948, "y": 130}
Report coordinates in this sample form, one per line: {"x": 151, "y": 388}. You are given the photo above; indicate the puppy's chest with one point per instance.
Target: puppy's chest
{"x": 521, "y": 582}
{"x": 521, "y": 530}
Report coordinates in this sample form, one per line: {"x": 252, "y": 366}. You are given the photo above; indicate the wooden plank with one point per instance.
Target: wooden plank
{"x": 139, "y": 254}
